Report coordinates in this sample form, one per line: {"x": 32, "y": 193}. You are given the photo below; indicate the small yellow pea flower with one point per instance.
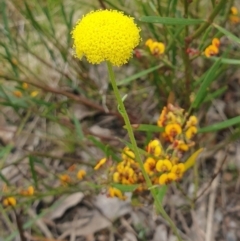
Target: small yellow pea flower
{"x": 167, "y": 178}
{"x": 234, "y": 10}
{"x": 192, "y": 121}
{"x": 162, "y": 118}
{"x": 116, "y": 177}
{"x": 234, "y": 19}
{"x": 100, "y": 163}
{"x": 24, "y": 85}
{"x": 149, "y": 166}
{"x": 157, "y": 48}
{"x": 149, "y": 42}
{"x": 154, "y": 148}
{"x": 105, "y": 35}
{"x": 34, "y": 93}
{"x": 9, "y": 201}
{"x": 172, "y": 130}
{"x": 65, "y": 179}
{"x": 114, "y": 192}
{"x": 17, "y": 93}
{"x": 182, "y": 146}
{"x": 81, "y": 174}
{"x": 191, "y": 131}
{"x": 211, "y": 50}
{"x": 128, "y": 155}
{"x": 164, "y": 165}
{"x": 178, "y": 169}
{"x": 216, "y": 42}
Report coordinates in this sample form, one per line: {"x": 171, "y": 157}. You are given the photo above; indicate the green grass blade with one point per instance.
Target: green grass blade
{"x": 227, "y": 33}
{"x": 138, "y": 75}
{"x": 220, "y": 125}
{"x": 202, "y": 92}
{"x": 78, "y": 127}
{"x": 147, "y": 128}
{"x": 170, "y": 21}
{"x": 227, "y": 61}
{"x": 4, "y": 179}
{"x": 33, "y": 172}
{"x": 215, "y": 94}
{"x": 125, "y": 188}
{"x": 161, "y": 191}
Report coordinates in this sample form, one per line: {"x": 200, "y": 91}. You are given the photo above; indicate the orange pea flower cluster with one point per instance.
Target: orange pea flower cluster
{"x": 164, "y": 165}
{"x": 234, "y": 16}
{"x": 212, "y": 49}
{"x": 163, "y": 155}
{"x": 156, "y": 48}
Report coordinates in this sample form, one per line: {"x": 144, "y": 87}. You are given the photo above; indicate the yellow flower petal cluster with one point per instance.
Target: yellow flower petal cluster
{"x": 81, "y": 174}
{"x": 156, "y": 48}
{"x": 28, "y": 192}
{"x": 9, "y": 201}
{"x": 154, "y": 148}
{"x": 105, "y": 35}
{"x": 212, "y": 49}
{"x": 65, "y": 179}
{"x": 234, "y": 15}
{"x": 114, "y": 192}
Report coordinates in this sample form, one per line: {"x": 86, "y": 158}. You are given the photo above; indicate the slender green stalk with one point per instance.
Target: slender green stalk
{"x": 137, "y": 154}
{"x": 187, "y": 64}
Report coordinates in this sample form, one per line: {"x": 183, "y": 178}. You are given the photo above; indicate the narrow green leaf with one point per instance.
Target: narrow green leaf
{"x": 227, "y": 61}
{"x": 102, "y": 146}
{"x": 4, "y": 179}
{"x": 125, "y": 188}
{"x": 209, "y": 78}
{"x": 33, "y": 172}
{"x": 78, "y": 128}
{"x": 147, "y": 128}
{"x": 171, "y": 21}
{"x": 161, "y": 191}
{"x": 138, "y": 75}
{"x": 215, "y": 94}
{"x": 227, "y": 33}
{"x": 220, "y": 125}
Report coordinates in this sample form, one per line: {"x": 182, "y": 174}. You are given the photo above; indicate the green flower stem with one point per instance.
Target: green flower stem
{"x": 137, "y": 154}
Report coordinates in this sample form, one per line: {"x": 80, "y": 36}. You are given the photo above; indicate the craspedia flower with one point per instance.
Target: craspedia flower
{"x": 105, "y": 35}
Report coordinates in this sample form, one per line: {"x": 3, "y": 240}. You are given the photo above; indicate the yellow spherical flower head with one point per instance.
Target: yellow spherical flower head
{"x": 105, "y": 35}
